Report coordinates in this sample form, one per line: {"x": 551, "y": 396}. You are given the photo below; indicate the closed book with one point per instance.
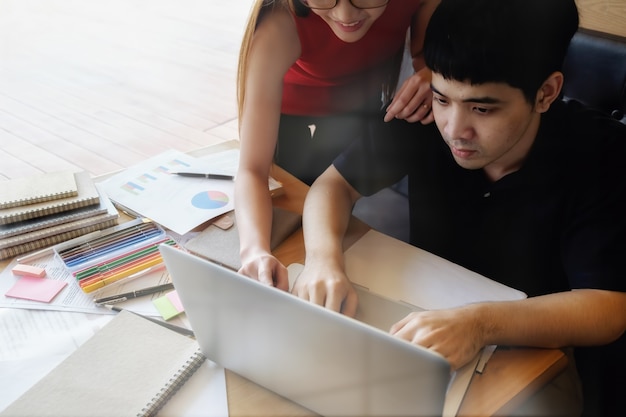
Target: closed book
{"x": 131, "y": 367}
{"x": 31, "y": 225}
{"x": 37, "y": 188}
{"x": 55, "y": 239}
{"x": 87, "y": 195}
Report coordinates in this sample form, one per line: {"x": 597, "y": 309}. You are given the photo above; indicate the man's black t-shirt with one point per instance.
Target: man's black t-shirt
{"x": 556, "y": 224}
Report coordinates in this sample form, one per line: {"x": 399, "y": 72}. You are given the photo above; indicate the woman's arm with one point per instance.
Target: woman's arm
{"x": 418, "y": 32}
{"x": 275, "y": 47}
{"x": 327, "y": 211}
{"x": 413, "y": 100}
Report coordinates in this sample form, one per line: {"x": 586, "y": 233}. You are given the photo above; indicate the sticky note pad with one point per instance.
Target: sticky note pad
{"x": 169, "y": 305}
{"x": 36, "y": 289}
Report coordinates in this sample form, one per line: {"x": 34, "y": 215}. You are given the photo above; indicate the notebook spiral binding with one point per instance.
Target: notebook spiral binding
{"x": 173, "y": 385}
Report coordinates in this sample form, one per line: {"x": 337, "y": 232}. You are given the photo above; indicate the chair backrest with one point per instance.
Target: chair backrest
{"x": 595, "y": 72}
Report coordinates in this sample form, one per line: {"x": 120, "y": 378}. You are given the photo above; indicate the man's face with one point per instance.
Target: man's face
{"x": 489, "y": 126}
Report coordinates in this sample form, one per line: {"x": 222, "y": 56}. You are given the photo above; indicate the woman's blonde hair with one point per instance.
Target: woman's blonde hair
{"x": 259, "y": 9}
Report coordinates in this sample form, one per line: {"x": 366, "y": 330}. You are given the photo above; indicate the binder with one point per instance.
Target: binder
{"x": 131, "y": 367}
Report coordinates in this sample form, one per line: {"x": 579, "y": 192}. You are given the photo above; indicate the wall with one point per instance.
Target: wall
{"x": 603, "y": 15}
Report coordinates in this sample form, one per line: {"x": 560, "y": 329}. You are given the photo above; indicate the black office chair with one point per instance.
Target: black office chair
{"x": 595, "y": 72}
{"x": 595, "y": 75}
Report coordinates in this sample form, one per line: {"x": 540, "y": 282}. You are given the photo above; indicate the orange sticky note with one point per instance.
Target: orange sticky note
{"x": 36, "y": 289}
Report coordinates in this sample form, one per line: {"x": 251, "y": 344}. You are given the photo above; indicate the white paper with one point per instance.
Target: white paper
{"x": 73, "y": 299}
{"x": 27, "y": 334}
{"x": 33, "y": 342}
{"x": 203, "y": 395}
{"x": 175, "y": 202}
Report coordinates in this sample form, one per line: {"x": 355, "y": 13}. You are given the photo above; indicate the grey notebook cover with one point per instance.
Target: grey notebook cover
{"x": 131, "y": 367}
{"x": 222, "y": 246}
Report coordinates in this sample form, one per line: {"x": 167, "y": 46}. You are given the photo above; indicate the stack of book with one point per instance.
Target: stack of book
{"x": 45, "y": 209}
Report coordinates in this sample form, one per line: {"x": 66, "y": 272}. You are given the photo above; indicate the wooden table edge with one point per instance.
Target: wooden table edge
{"x": 527, "y": 369}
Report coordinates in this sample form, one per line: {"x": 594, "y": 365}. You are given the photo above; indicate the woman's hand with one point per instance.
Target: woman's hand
{"x": 266, "y": 269}
{"x": 413, "y": 101}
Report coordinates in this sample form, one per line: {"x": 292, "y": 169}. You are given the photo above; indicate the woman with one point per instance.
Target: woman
{"x": 310, "y": 73}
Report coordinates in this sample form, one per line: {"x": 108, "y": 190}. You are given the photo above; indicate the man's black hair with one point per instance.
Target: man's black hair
{"x": 517, "y": 42}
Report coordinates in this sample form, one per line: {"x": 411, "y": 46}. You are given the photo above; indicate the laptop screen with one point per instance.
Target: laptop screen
{"x": 322, "y": 360}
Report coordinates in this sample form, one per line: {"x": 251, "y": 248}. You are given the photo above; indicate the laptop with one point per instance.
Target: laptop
{"x": 331, "y": 364}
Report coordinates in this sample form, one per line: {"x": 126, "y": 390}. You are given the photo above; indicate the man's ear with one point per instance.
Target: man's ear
{"x": 549, "y": 91}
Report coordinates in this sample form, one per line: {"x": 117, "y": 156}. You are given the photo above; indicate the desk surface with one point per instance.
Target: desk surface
{"x": 510, "y": 377}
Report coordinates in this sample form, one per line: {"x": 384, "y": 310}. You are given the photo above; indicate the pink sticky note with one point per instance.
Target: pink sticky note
{"x": 175, "y": 300}
{"x": 36, "y": 289}
{"x": 169, "y": 305}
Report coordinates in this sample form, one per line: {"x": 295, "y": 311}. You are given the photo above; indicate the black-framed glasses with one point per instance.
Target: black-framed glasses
{"x": 329, "y": 4}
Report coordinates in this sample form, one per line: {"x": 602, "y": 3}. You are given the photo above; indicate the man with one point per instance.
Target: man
{"x": 513, "y": 184}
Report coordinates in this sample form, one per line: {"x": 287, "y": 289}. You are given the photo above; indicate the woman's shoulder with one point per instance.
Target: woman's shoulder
{"x": 278, "y": 26}
{"x": 278, "y": 16}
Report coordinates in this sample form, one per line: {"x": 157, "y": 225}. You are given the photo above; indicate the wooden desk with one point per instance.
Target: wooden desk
{"x": 511, "y": 375}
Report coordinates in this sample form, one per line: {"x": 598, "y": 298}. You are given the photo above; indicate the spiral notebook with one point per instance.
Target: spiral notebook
{"x": 87, "y": 195}
{"x": 131, "y": 367}
{"x": 37, "y": 188}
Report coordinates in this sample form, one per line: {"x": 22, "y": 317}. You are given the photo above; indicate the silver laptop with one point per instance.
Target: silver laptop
{"x": 327, "y": 362}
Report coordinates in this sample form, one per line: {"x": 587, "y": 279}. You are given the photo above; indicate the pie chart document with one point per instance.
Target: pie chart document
{"x": 176, "y": 202}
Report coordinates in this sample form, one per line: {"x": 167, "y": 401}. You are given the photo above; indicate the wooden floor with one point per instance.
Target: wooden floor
{"x": 99, "y": 85}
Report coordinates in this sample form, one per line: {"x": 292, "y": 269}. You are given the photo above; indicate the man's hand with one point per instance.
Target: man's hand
{"x": 413, "y": 101}
{"x": 454, "y": 333}
{"x": 328, "y": 288}
{"x": 268, "y": 270}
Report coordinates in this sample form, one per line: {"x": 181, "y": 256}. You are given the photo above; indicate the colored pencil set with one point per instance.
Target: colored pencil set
{"x": 115, "y": 254}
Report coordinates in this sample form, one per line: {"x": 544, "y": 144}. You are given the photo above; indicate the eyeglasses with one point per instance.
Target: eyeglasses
{"x": 329, "y": 4}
